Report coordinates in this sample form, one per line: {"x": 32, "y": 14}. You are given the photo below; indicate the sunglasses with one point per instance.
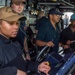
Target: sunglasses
{"x": 20, "y": 3}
